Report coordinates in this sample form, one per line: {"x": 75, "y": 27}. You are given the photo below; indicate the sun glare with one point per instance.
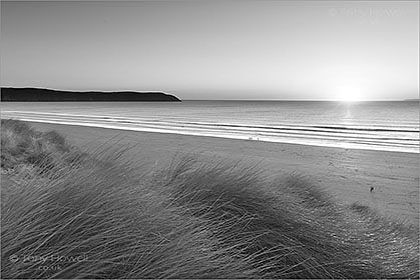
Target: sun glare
{"x": 349, "y": 94}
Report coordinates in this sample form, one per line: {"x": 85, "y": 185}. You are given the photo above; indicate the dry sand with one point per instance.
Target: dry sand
{"x": 346, "y": 174}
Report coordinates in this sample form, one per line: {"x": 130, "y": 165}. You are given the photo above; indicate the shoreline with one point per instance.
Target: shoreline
{"x": 347, "y": 174}
{"x": 164, "y": 131}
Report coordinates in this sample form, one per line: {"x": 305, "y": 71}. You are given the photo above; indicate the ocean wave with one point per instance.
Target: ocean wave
{"x": 390, "y": 139}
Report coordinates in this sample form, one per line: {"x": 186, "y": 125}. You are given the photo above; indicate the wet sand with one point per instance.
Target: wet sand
{"x": 348, "y": 174}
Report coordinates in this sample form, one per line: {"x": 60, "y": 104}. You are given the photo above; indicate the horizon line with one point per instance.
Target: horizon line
{"x": 236, "y": 99}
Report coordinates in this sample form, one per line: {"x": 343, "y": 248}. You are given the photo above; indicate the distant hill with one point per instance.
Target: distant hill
{"x": 41, "y": 94}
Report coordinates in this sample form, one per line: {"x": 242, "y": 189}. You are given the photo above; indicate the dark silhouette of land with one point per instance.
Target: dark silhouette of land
{"x": 41, "y": 94}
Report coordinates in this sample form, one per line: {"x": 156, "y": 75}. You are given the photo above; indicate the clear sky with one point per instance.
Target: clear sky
{"x": 215, "y": 49}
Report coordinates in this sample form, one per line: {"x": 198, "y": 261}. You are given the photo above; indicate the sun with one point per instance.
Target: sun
{"x": 349, "y": 94}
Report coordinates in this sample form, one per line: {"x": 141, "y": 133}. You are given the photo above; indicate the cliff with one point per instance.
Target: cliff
{"x": 40, "y": 94}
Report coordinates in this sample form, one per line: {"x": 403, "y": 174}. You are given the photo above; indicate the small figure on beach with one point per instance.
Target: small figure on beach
{"x": 371, "y": 189}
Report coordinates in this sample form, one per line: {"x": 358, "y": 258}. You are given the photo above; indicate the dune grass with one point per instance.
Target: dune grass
{"x": 106, "y": 217}
{"x": 23, "y": 147}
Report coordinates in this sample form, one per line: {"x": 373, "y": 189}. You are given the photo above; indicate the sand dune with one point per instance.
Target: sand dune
{"x": 348, "y": 174}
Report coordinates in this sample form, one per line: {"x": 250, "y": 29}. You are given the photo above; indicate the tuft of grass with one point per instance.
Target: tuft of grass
{"x": 21, "y": 146}
{"x": 107, "y": 217}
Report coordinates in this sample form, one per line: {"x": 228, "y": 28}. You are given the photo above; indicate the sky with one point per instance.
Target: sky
{"x": 215, "y": 49}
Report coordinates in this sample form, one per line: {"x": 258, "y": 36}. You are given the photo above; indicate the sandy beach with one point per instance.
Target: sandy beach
{"x": 347, "y": 174}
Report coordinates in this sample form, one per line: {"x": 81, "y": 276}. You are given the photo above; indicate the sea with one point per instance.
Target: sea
{"x": 379, "y": 125}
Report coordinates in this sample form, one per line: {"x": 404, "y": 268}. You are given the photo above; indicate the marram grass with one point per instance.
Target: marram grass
{"x": 69, "y": 214}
